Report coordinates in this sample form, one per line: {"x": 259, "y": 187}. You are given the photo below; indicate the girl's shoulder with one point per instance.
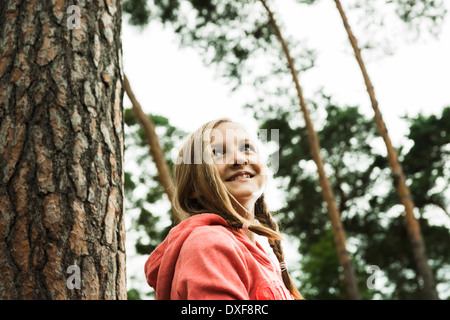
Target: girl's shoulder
{"x": 216, "y": 244}
{"x": 211, "y": 237}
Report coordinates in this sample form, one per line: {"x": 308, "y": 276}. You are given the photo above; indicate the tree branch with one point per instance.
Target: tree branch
{"x": 164, "y": 175}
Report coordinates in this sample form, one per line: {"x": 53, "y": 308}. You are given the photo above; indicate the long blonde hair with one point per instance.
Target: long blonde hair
{"x": 199, "y": 189}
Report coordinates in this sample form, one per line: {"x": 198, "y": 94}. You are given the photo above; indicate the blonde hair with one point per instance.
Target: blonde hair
{"x": 199, "y": 189}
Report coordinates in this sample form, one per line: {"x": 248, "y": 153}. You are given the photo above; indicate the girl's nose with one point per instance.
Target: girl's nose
{"x": 240, "y": 158}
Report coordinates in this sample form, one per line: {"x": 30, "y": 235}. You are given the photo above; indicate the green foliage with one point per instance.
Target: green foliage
{"x": 315, "y": 272}
{"x": 226, "y": 33}
{"x": 139, "y": 13}
{"x": 431, "y": 136}
{"x": 345, "y": 141}
{"x": 418, "y": 11}
{"x": 133, "y": 294}
{"x": 419, "y": 15}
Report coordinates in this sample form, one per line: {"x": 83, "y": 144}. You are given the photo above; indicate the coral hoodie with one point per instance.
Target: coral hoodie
{"x": 203, "y": 258}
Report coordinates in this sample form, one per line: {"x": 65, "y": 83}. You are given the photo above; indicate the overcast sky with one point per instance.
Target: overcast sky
{"x": 174, "y": 82}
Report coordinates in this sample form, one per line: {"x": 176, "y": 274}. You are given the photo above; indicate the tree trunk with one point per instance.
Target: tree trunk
{"x": 164, "y": 175}
{"x": 62, "y": 232}
{"x": 327, "y": 191}
{"x": 412, "y": 224}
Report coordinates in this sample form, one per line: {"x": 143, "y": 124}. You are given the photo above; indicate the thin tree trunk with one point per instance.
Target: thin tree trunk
{"x": 412, "y": 224}
{"x": 62, "y": 232}
{"x": 327, "y": 191}
{"x": 156, "y": 152}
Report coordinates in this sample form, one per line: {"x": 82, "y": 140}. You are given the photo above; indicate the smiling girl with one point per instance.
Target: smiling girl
{"x": 220, "y": 180}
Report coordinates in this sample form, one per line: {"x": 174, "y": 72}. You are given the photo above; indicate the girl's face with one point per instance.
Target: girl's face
{"x": 238, "y": 162}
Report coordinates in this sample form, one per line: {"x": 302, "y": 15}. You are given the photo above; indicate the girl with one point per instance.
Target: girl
{"x": 212, "y": 254}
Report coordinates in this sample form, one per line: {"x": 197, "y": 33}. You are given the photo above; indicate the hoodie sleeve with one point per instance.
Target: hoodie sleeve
{"x": 211, "y": 266}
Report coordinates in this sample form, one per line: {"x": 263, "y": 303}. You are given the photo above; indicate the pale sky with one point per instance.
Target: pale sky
{"x": 174, "y": 82}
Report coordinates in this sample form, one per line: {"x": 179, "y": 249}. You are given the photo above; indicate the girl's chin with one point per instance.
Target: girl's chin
{"x": 246, "y": 194}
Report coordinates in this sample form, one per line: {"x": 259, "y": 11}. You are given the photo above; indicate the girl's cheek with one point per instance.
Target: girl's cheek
{"x": 255, "y": 160}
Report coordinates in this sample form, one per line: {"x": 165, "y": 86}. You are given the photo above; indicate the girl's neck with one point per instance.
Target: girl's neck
{"x": 248, "y": 214}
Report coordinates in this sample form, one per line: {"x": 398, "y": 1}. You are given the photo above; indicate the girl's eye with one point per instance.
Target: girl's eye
{"x": 248, "y": 147}
{"x": 218, "y": 152}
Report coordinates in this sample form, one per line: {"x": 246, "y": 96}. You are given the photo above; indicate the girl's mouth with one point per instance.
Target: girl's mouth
{"x": 241, "y": 177}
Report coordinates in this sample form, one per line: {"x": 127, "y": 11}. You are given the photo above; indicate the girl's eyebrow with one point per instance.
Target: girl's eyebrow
{"x": 249, "y": 141}
{"x": 215, "y": 145}
{"x": 221, "y": 144}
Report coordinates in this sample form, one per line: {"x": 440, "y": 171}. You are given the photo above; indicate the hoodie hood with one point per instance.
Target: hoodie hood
{"x": 166, "y": 254}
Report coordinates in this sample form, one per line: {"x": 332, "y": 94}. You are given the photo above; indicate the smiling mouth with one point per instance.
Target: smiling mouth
{"x": 241, "y": 177}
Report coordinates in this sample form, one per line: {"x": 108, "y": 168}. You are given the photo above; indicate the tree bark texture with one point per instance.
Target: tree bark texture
{"x": 61, "y": 150}
{"x": 327, "y": 191}
{"x": 412, "y": 225}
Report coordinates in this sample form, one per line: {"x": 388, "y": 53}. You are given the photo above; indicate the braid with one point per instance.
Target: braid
{"x": 263, "y": 215}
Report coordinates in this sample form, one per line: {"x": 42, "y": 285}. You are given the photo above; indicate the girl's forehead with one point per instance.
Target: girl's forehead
{"x": 229, "y": 131}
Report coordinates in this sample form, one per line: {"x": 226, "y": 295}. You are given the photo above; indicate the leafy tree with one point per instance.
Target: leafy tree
{"x": 431, "y": 140}
{"x": 414, "y": 232}
{"x": 361, "y": 179}
{"x": 346, "y": 135}
{"x": 420, "y": 16}
{"x": 228, "y": 34}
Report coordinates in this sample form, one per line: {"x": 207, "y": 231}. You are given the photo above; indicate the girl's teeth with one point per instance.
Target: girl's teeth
{"x": 241, "y": 177}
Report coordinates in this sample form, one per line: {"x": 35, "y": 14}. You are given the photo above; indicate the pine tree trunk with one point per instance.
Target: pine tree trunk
{"x": 61, "y": 151}
{"x": 412, "y": 224}
{"x": 327, "y": 191}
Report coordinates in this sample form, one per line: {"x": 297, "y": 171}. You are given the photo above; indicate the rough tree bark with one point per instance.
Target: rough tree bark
{"x": 412, "y": 225}
{"x": 61, "y": 150}
{"x": 327, "y": 191}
